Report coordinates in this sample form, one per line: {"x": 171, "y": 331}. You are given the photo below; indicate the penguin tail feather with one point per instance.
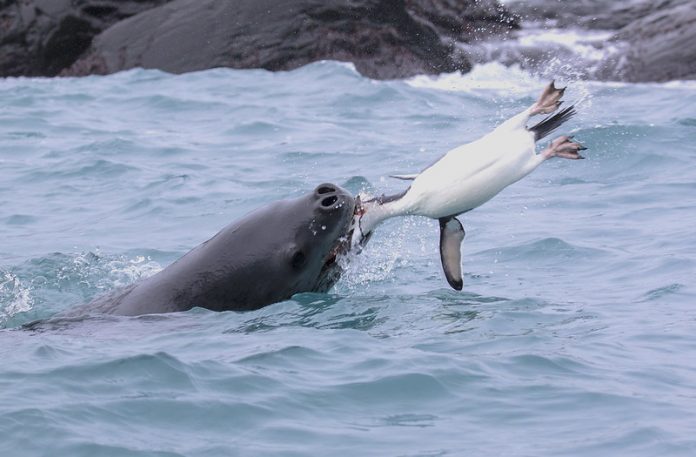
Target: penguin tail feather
{"x": 551, "y": 123}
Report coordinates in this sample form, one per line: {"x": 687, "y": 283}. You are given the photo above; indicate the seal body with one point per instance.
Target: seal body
{"x": 282, "y": 249}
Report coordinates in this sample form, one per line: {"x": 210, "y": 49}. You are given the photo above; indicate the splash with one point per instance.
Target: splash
{"x": 391, "y": 248}
{"x": 487, "y": 78}
{"x": 42, "y": 286}
{"x": 15, "y": 297}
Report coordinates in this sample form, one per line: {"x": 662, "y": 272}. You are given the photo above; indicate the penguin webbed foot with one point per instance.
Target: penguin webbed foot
{"x": 564, "y": 147}
{"x": 549, "y": 101}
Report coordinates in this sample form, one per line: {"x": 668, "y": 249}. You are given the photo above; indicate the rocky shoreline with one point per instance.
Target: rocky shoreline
{"x": 649, "y": 40}
{"x": 385, "y": 39}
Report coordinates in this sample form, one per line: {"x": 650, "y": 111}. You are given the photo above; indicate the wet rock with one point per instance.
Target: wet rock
{"x": 658, "y": 47}
{"x": 384, "y": 38}
{"x": 42, "y": 37}
{"x": 635, "y": 41}
{"x": 464, "y": 21}
{"x": 588, "y": 14}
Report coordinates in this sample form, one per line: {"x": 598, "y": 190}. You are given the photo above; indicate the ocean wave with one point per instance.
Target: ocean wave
{"x": 578, "y": 280}
{"x": 514, "y": 81}
{"x": 550, "y": 249}
{"x": 42, "y": 286}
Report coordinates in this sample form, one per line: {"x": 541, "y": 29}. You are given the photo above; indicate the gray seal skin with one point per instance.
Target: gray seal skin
{"x": 285, "y": 248}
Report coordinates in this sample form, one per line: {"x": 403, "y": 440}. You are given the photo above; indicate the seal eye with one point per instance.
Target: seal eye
{"x": 298, "y": 259}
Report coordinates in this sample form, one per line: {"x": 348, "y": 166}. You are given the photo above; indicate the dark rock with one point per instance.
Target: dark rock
{"x": 554, "y": 13}
{"x": 658, "y": 47}
{"x": 635, "y": 41}
{"x": 189, "y": 35}
{"x": 464, "y": 21}
{"x": 588, "y": 14}
{"x": 384, "y": 38}
{"x": 42, "y": 37}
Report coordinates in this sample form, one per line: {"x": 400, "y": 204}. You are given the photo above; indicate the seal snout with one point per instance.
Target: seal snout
{"x": 330, "y": 197}
{"x": 325, "y": 189}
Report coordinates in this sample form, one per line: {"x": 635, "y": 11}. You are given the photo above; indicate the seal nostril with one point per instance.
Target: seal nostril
{"x": 328, "y": 201}
{"x": 325, "y": 190}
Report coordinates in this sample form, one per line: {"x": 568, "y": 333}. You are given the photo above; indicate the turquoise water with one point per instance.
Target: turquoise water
{"x": 575, "y": 334}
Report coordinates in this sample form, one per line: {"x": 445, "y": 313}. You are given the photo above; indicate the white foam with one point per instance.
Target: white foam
{"x": 588, "y": 44}
{"x": 15, "y": 294}
{"x": 123, "y": 271}
{"x": 489, "y": 77}
{"x": 498, "y": 80}
{"x": 506, "y": 83}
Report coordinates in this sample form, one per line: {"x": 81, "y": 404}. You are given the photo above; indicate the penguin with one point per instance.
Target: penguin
{"x": 469, "y": 175}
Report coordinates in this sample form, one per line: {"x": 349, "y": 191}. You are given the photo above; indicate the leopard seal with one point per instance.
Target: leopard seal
{"x": 287, "y": 247}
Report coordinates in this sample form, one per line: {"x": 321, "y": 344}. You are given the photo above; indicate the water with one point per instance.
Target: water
{"x": 574, "y": 335}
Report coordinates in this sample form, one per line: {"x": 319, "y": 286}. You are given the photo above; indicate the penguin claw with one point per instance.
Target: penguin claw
{"x": 564, "y": 147}
{"x": 549, "y": 101}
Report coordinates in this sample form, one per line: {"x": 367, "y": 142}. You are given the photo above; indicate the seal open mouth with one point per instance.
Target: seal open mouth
{"x": 343, "y": 244}
{"x": 356, "y": 237}
{"x": 331, "y": 270}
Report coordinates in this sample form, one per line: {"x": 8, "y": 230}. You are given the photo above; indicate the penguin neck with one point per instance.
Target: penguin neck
{"x": 379, "y": 210}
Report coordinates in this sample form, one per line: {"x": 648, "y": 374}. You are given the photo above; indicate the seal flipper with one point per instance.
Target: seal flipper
{"x": 451, "y": 237}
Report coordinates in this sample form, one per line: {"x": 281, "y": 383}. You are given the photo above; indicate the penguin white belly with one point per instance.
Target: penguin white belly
{"x": 470, "y": 175}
